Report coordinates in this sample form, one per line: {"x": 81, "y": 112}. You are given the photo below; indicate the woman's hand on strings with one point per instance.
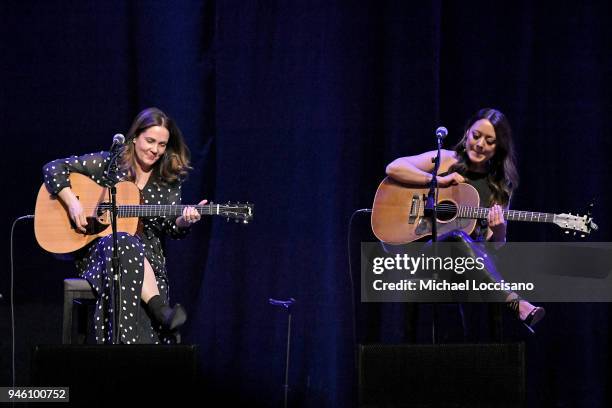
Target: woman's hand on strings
{"x": 497, "y": 223}
{"x": 190, "y": 215}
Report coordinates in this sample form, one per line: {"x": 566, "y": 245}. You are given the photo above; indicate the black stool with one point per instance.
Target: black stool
{"x": 78, "y": 297}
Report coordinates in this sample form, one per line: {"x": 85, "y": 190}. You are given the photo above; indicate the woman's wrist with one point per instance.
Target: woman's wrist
{"x": 429, "y": 178}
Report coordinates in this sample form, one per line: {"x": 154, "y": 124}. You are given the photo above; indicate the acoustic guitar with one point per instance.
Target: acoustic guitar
{"x": 398, "y": 213}
{"x": 56, "y": 233}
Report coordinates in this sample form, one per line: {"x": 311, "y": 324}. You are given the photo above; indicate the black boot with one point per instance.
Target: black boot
{"x": 170, "y": 318}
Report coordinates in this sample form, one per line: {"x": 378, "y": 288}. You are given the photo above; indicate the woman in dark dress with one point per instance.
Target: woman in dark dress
{"x": 485, "y": 159}
{"x": 156, "y": 159}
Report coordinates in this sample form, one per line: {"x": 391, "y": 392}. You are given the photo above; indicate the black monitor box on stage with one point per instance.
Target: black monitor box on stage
{"x": 442, "y": 375}
{"x": 99, "y": 374}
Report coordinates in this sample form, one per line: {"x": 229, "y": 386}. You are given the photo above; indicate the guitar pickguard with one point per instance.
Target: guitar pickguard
{"x": 94, "y": 226}
{"x": 423, "y": 226}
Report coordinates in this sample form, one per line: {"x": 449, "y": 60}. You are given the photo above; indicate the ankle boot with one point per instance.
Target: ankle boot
{"x": 170, "y": 318}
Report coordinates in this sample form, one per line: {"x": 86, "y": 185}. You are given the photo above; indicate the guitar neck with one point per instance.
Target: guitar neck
{"x": 510, "y": 215}
{"x": 126, "y": 211}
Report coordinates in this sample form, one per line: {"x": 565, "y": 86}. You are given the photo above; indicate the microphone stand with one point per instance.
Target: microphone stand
{"x": 287, "y": 305}
{"x": 116, "y": 264}
{"x": 431, "y": 211}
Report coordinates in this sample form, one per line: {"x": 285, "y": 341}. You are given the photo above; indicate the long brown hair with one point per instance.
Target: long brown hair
{"x": 502, "y": 172}
{"x": 173, "y": 165}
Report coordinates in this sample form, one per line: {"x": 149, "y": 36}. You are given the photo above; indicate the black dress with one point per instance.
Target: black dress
{"x": 480, "y": 182}
{"x": 94, "y": 261}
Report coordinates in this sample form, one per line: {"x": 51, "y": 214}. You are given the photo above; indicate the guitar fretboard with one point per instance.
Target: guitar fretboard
{"x": 126, "y": 211}
{"x": 511, "y": 215}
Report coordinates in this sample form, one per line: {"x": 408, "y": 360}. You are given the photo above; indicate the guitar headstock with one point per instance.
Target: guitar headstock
{"x": 582, "y": 224}
{"x": 238, "y": 212}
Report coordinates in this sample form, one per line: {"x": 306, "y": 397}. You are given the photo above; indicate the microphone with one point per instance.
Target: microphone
{"x": 118, "y": 141}
{"x": 441, "y": 132}
{"x": 284, "y": 303}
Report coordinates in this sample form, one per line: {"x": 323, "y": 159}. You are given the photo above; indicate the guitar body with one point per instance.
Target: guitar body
{"x": 398, "y": 211}
{"x": 54, "y": 229}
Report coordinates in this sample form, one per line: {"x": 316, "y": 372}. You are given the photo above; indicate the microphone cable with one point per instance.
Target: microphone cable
{"x": 12, "y": 295}
{"x": 350, "y": 271}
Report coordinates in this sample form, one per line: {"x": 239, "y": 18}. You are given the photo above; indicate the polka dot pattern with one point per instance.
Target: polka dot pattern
{"x": 94, "y": 262}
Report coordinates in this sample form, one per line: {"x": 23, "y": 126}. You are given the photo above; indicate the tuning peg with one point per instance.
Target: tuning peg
{"x": 245, "y": 221}
{"x": 582, "y": 235}
{"x": 227, "y": 219}
{"x": 567, "y": 232}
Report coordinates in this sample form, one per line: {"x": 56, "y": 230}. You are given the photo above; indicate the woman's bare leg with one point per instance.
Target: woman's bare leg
{"x": 149, "y": 284}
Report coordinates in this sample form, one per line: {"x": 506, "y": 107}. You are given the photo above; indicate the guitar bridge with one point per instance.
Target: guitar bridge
{"x": 414, "y": 209}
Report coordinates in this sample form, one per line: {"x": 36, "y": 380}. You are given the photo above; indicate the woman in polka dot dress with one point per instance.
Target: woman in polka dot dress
{"x": 156, "y": 159}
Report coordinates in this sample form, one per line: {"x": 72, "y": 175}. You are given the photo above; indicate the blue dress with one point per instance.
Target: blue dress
{"x": 94, "y": 262}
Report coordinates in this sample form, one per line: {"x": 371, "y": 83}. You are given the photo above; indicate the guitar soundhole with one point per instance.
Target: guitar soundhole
{"x": 446, "y": 210}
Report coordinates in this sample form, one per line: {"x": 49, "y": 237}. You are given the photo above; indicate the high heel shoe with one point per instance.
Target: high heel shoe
{"x": 532, "y": 318}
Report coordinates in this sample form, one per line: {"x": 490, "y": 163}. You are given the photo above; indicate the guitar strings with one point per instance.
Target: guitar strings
{"x": 451, "y": 208}
{"x": 163, "y": 206}
{"x": 169, "y": 209}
